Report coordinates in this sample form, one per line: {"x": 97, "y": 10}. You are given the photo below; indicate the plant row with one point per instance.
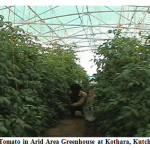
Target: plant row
{"x": 123, "y": 88}
{"x": 34, "y": 82}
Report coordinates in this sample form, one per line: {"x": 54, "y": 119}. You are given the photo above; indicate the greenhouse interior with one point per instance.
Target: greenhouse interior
{"x": 103, "y": 50}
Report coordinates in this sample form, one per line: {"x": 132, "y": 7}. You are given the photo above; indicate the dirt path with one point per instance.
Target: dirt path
{"x": 72, "y": 127}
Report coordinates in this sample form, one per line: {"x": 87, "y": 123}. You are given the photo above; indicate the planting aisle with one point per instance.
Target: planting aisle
{"x": 72, "y": 127}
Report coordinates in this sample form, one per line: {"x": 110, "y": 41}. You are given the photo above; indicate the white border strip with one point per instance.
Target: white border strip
{"x": 76, "y": 2}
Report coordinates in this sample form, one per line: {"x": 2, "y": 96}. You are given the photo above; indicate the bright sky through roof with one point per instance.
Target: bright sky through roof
{"x": 85, "y": 62}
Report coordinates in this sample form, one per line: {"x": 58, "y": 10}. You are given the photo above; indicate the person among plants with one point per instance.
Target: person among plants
{"x": 77, "y": 98}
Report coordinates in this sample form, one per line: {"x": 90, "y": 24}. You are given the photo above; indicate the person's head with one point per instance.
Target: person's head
{"x": 75, "y": 88}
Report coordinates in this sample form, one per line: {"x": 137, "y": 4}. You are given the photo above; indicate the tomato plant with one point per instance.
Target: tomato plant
{"x": 34, "y": 82}
{"x": 122, "y": 100}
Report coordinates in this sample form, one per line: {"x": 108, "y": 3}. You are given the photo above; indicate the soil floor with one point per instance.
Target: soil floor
{"x": 75, "y": 126}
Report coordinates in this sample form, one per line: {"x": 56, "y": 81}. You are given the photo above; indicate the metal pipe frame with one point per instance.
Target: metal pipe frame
{"x": 22, "y": 18}
{"x": 94, "y": 29}
{"x": 47, "y": 25}
{"x": 92, "y": 12}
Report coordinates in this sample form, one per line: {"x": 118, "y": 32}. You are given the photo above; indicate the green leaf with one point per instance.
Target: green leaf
{"x": 20, "y": 122}
{"x": 3, "y": 129}
{"x": 15, "y": 79}
{"x": 136, "y": 112}
{"x": 27, "y": 126}
{"x": 4, "y": 100}
{"x": 7, "y": 122}
{"x": 130, "y": 84}
{"x": 29, "y": 99}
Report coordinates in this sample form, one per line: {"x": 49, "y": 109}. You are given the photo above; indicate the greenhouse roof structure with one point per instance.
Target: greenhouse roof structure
{"x": 82, "y": 27}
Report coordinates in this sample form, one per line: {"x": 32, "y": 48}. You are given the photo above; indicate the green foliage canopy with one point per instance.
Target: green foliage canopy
{"x": 34, "y": 82}
{"x": 123, "y": 85}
